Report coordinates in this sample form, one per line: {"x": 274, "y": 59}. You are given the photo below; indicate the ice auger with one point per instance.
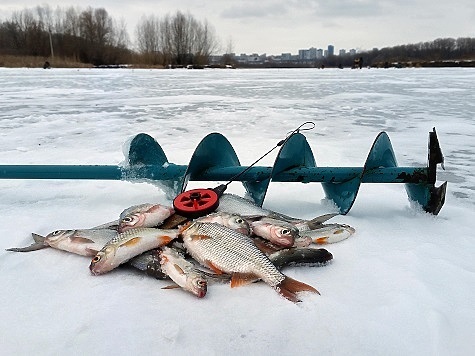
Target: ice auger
{"x": 215, "y": 160}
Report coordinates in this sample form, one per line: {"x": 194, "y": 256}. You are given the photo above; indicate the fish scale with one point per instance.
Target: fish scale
{"x": 229, "y": 251}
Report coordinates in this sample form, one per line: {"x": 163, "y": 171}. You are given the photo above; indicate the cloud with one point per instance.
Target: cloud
{"x": 350, "y": 8}
{"x": 318, "y": 10}
{"x": 252, "y": 10}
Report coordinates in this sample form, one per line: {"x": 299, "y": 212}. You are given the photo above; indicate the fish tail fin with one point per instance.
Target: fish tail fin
{"x": 33, "y": 247}
{"x": 289, "y": 288}
{"x": 37, "y": 245}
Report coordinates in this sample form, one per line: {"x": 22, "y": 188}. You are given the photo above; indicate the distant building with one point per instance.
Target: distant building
{"x": 303, "y": 54}
{"x": 312, "y": 53}
{"x": 286, "y": 57}
{"x": 304, "y": 57}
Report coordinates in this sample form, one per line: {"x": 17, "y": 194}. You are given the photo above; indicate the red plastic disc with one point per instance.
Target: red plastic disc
{"x": 196, "y": 202}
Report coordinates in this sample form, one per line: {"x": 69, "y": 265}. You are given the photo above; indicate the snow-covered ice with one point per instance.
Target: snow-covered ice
{"x": 404, "y": 284}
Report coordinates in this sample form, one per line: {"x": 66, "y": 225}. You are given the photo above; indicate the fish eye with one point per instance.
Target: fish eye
{"x": 96, "y": 259}
{"x": 239, "y": 220}
{"x": 285, "y": 231}
{"x": 57, "y": 232}
{"x": 202, "y": 283}
{"x": 127, "y": 219}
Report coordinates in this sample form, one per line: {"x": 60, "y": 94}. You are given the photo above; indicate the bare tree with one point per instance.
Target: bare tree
{"x": 205, "y": 42}
{"x": 71, "y": 22}
{"x": 184, "y": 40}
{"x": 147, "y": 33}
{"x": 120, "y": 36}
{"x": 103, "y": 27}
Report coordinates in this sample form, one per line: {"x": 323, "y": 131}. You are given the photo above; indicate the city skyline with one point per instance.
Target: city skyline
{"x": 303, "y": 53}
{"x": 276, "y": 26}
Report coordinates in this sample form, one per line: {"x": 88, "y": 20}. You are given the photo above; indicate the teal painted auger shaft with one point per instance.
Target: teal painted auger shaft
{"x": 173, "y": 172}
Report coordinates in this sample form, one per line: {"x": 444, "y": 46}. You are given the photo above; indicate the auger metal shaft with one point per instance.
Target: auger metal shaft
{"x": 257, "y": 173}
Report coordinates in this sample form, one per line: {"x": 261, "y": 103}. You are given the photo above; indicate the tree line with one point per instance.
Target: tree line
{"x": 89, "y": 36}
{"x": 441, "y": 49}
{"x": 92, "y": 36}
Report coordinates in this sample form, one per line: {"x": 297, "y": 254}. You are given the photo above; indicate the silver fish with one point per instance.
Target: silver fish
{"x": 235, "y": 204}
{"x": 86, "y": 242}
{"x": 227, "y": 251}
{"x": 328, "y": 233}
{"x": 183, "y": 272}
{"x": 233, "y": 221}
{"x": 143, "y": 215}
{"x": 276, "y": 231}
{"x": 129, "y": 244}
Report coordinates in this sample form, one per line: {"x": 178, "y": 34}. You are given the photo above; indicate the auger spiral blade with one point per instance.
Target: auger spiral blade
{"x": 424, "y": 192}
{"x": 214, "y": 157}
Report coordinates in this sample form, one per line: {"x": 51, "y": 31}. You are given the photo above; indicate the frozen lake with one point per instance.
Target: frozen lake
{"x": 403, "y": 284}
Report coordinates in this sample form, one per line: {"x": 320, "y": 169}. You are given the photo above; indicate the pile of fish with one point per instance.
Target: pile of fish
{"x": 239, "y": 243}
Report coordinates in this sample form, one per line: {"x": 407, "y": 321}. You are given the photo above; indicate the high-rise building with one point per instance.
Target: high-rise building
{"x": 312, "y": 53}
{"x": 331, "y": 50}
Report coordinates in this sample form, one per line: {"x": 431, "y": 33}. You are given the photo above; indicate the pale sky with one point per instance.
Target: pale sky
{"x": 277, "y": 26}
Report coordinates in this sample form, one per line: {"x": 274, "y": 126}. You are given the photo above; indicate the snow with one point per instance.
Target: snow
{"x": 404, "y": 284}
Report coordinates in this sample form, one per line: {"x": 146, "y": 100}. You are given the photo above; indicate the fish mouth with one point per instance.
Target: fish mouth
{"x": 201, "y": 293}
{"x": 201, "y": 288}
{"x": 95, "y": 270}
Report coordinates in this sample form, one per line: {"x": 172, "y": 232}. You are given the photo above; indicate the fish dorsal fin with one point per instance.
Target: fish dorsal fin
{"x": 38, "y": 238}
{"x": 81, "y": 240}
{"x": 317, "y": 222}
{"x": 179, "y": 269}
{"x": 242, "y": 279}
{"x": 131, "y": 242}
{"x": 91, "y": 252}
{"x": 171, "y": 286}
